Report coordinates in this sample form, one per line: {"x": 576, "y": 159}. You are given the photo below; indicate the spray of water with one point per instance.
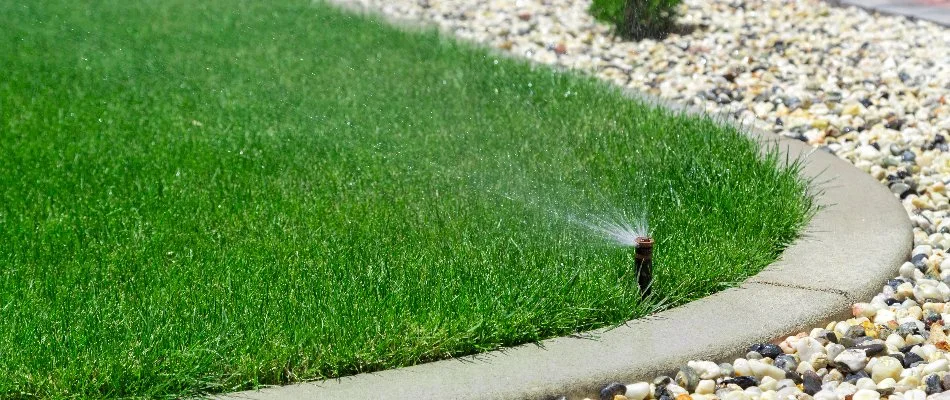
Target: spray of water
{"x": 601, "y": 217}
{"x": 621, "y": 231}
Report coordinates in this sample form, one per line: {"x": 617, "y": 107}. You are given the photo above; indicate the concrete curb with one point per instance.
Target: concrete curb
{"x": 851, "y": 247}
{"x": 904, "y": 8}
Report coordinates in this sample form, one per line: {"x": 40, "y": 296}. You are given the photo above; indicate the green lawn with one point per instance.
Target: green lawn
{"x": 203, "y": 196}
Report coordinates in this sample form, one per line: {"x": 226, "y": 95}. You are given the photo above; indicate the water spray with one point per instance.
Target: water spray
{"x": 644, "y": 264}
{"x": 627, "y": 233}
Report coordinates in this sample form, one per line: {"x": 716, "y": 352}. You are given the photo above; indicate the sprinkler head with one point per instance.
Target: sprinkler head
{"x": 644, "y": 264}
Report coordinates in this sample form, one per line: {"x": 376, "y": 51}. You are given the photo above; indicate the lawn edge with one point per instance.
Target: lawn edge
{"x": 853, "y": 244}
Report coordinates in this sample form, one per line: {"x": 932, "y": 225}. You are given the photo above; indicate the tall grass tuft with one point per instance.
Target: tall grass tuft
{"x": 638, "y": 19}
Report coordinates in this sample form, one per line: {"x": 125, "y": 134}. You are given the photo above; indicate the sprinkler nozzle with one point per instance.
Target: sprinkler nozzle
{"x": 644, "y": 263}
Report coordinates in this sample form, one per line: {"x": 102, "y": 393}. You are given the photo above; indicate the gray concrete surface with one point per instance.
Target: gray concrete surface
{"x": 933, "y": 10}
{"x": 851, "y": 247}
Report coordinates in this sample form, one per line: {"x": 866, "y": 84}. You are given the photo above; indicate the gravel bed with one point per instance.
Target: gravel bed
{"x": 872, "y": 89}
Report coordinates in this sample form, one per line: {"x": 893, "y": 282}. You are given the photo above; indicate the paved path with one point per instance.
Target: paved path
{"x": 932, "y": 10}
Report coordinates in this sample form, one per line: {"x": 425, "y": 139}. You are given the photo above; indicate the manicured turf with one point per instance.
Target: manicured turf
{"x": 205, "y": 196}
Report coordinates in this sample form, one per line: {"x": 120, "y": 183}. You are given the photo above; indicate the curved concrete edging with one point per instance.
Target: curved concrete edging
{"x": 912, "y": 9}
{"x": 850, "y": 248}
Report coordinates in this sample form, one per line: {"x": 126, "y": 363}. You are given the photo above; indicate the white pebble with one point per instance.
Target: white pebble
{"x": 736, "y": 395}
{"x": 866, "y": 394}
{"x": 915, "y": 394}
{"x": 855, "y": 359}
{"x": 768, "y": 383}
{"x": 807, "y": 348}
{"x": 940, "y": 365}
{"x": 705, "y": 386}
{"x": 886, "y": 368}
{"x": 761, "y": 370}
{"x": 705, "y": 369}
{"x": 825, "y": 395}
{"x": 637, "y": 391}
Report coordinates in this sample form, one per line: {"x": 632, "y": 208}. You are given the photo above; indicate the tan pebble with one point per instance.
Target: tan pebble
{"x": 863, "y": 310}
{"x": 852, "y": 109}
{"x": 870, "y": 329}
{"x": 935, "y": 307}
{"x": 706, "y": 386}
{"x": 909, "y": 381}
{"x": 622, "y": 397}
{"x": 938, "y": 187}
{"x": 938, "y": 337}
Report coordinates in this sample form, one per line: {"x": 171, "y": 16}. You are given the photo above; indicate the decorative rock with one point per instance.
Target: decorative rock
{"x": 915, "y": 394}
{"x": 807, "y": 348}
{"x": 742, "y": 381}
{"x": 855, "y": 331}
{"x": 706, "y": 369}
{"x": 767, "y": 350}
{"x": 886, "y": 367}
{"x": 675, "y": 390}
{"x": 853, "y": 378}
{"x": 726, "y": 369}
{"x": 909, "y": 381}
{"x": 866, "y": 394}
{"x": 940, "y": 365}
{"x": 637, "y": 391}
{"x": 811, "y": 382}
{"x": 851, "y": 360}
{"x": 908, "y": 328}
{"x": 706, "y": 386}
{"x": 737, "y": 395}
{"x": 819, "y": 360}
{"x": 832, "y": 376}
{"x": 871, "y": 349}
{"x": 786, "y": 363}
{"x": 687, "y": 378}
{"x": 845, "y": 389}
{"x": 887, "y": 387}
{"x": 662, "y": 381}
{"x": 788, "y": 392}
{"x": 753, "y": 355}
{"x": 932, "y": 383}
{"x": 767, "y": 383}
{"x": 833, "y": 349}
{"x": 826, "y": 395}
{"x": 911, "y": 359}
{"x": 611, "y": 390}
{"x": 742, "y": 367}
{"x": 865, "y": 383}
{"x": 760, "y": 370}
{"x": 803, "y": 367}
{"x": 660, "y": 391}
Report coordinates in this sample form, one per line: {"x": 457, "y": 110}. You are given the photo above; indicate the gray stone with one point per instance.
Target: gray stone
{"x": 687, "y": 378}
{"x": 812, "y": 383}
